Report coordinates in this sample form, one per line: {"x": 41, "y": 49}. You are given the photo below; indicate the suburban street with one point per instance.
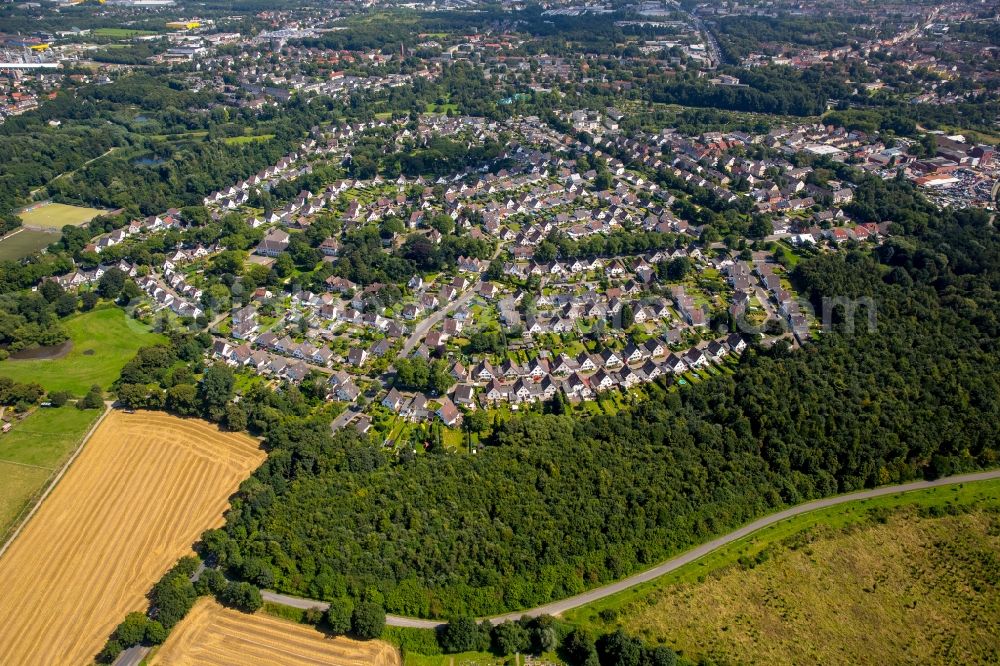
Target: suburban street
{"x": 558, "y": 607}
{"x": 420, "y": 330}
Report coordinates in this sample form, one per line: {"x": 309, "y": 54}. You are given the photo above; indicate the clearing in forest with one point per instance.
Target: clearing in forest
{"x": 140, "y": 493}
{"x": 898, "y": 587}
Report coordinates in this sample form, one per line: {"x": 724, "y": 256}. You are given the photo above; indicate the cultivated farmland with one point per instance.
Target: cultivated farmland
{"x": 212, "y": 635}
{"x": 141, "y": 492}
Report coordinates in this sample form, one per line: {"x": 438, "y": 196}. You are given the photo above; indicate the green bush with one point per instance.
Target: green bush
{"x": 242, "y": 596}
{"x": 338, "y": 616}
{"x": 367, "y": 621}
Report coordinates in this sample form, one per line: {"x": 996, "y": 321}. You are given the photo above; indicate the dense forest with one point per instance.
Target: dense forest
{"x": 739, "y": 36}
{"x": 780, "y": 90}
{"x": 556, "y": 505}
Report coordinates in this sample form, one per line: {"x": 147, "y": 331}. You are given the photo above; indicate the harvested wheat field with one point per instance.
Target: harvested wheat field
{"x": 211, "y": 635}
{"x": 141, "y": 492}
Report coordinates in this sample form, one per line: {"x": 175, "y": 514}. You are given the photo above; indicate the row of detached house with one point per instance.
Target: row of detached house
{"x": 169, "y": 220}
{"x": 583, "y": 377}
{"x": 304, "y": 351}
{"x": 260, "y": 361}
{"x": 418, "y": 407}
{"x": 578, "y": 378}
{"x": 83, "y": 277}
{"x": 163, "y": 298}
{"x": 238, "y": 194}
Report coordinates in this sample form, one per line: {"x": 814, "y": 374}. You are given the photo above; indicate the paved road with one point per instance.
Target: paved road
{"x": 558, "y": 607}
{"x": 343, "y": 418}
{"x": 423, "y": 328}
{"x": 133, "y": 656}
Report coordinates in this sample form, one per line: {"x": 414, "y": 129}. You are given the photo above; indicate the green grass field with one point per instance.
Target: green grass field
{"x": 103, "y": 342}
{"x": 864, "y": 582}
{"x": 121, "y": 32}
{"x": 249, "y": 138}
{"x": 19, "y": 485}
{"x": 33, "y": 450}
{"x": 25, "y": 242}
{"x": 46, "y": 437}
{"x": 57, "y": 215}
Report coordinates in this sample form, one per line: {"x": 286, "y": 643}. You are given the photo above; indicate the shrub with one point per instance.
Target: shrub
{"x": 459, "y": 635}
{"x": 258, "y": 571}
{"x": 110, "y": 652}
{"x": 211, "y": 581}
{"x": 93, "y": 400}
{"x": 155, "y": 632}
{"x": 132, "y": 629}
{"x": 368, "y": 620}
{"x": 338, "y": 616}
{"x": 174, "y": 594}
{"x": 242, "y": 596}
{"x": 312, "y": 615}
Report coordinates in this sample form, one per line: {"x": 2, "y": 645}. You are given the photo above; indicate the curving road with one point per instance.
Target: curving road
{"x": 558, "y": 607}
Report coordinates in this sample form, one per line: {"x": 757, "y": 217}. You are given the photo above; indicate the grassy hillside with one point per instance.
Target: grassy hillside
{"x": 103, "y": 342}
{"x": 914, "y": 578}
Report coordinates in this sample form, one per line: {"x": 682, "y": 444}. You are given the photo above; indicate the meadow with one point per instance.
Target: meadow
{"x": 143, "y": 489}
{"x": 911, "y": 576}
{"x": 20, "y": 244}
{"x": 103, "y": 342}
{"x": 247, "y": 138}
{"x": 31, "y": 453}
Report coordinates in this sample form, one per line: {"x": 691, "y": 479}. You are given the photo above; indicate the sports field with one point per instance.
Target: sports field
{"x": 20, "y": 244}
{"x": 32, "y": 451}
{"x": 140, "y": 493}
{"x": 121, "y": 32}
{"x": 248, "y": 138}
{"x": 57, "y": 215}
{"x": 212, "y": 635}
{"x": 103, "y": 342}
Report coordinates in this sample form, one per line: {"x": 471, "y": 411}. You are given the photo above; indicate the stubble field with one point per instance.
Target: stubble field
{"x": 140, "y": 493}
{"x": 211, "y": 635}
